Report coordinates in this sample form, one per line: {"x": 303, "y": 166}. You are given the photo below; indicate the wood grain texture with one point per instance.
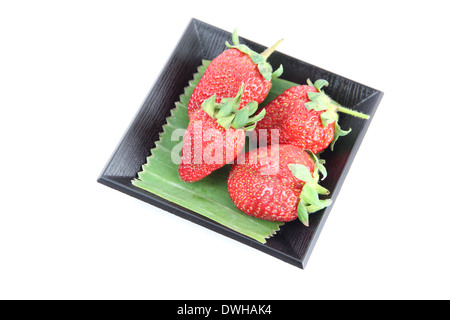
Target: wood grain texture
{"x": 294, "y": 242}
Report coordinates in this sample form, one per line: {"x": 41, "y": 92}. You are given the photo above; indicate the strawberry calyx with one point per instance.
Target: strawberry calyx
{"x": 309, "y": 197}
{"x": 319, "y": 101}
{"x": 264, "y": 67}
{"x": 228, "y": 115}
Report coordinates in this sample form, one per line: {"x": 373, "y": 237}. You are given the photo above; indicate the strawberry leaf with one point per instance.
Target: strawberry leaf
{"x": 209, "y": 105}
{"x": 320, "y": 189}
{"x": 256, "y": 57}
{"x": 322, "y": 205}
{"x": 318, "y": 166}
{"x": 237, "y": 99}
{"x": 235, "y": 37}
{"x": 266, "y": 70}
{"x": 316, "y": 106}
{"x": 328, "y": 117}
{"x": 301, "y": 172}
{"x": 338, "y": 132}
{"x": 225, "y": 122}
{"x": 310, "y": 195}
{"x": 303, "y": 214}
{"x": 319, "y": 84}
{"x": 250, "y": 127}
{"x": 314, "y": 95}
{"x": 258, "y": 117}
{"x": 241, "y": 118}
{"x": 225, "y": 110}
{"x": 252, "y": 107}
{"x": 277, "y": 73}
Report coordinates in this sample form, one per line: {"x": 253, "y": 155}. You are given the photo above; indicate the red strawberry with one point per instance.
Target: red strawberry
{"x": 229, "y": 70}
{"x": 215, "y": 135}
{"x": 278, "y": 183}
{"x": 305, "y": 117}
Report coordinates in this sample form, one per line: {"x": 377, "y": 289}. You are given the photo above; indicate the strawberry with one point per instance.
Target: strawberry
{"x": 306, "y": 117}
{"x": 229, "y": 70}
{"x": 216, "y": 135}
{"x": 278, "y": 183}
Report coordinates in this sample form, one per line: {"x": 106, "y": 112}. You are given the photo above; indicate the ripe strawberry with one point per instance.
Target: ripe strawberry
{"x": 305, "y": 117}
{"x": 278, "y": 183}
{"x": 215, "y": 135}
{"x": 229, "y": 70}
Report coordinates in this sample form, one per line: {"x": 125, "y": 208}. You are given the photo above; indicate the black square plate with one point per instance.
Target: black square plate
{"x": 294, "y": 242}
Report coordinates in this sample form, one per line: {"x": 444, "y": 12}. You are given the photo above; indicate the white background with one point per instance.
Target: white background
{"x": 74, "y": 73}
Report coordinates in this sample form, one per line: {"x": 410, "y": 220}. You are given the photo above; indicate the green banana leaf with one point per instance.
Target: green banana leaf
{"x": 208, "y": 197}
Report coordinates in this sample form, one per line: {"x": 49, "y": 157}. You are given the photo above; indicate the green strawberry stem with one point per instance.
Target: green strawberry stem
{"x": 353, "y": 112}
{"x": 268, "y": 52}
